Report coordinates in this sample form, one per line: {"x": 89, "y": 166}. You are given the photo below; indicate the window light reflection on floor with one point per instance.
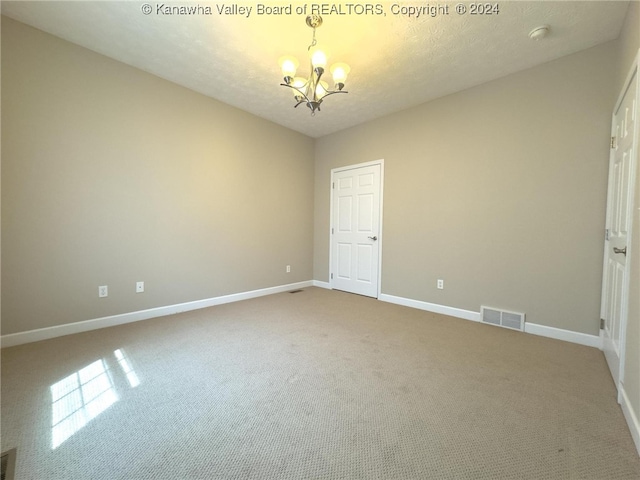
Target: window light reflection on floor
{"x": 85, "y": 394}
{"x": 78, "y": 399}
{"x": 132, "y": 378}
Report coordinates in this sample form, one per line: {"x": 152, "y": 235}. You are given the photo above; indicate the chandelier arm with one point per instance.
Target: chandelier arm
{"x": 302, "y": 94}
{"x": 331, "y": 92}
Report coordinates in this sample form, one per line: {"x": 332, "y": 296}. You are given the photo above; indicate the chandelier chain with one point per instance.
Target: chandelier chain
{"x": 314, "y": 42}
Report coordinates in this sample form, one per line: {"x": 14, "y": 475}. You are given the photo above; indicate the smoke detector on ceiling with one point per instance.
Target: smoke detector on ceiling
{"x": 539, "y": 33}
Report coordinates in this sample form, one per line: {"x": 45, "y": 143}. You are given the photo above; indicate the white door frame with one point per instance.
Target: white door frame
{"x": 380, "y": 235}
{"x": 632, "y": 181}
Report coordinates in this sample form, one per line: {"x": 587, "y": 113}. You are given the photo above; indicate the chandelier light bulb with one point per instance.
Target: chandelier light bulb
{"x": 318, "y": 58}
{"x": 289, "y": 65}
{"x": 340, "y": 72}
{"x": 322, "y": 89}
{"x": 298, "y": 85}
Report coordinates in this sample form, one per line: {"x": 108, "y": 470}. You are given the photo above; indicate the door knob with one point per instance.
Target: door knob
{"x": 374, "y": 238}
{"x": 620, "y": 250}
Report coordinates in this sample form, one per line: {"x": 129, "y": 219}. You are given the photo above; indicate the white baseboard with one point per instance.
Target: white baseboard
{"x": 566, "y": 335}
{"x": 631, "y": 417}
{"x": 113, "y": 320}
{"x": 551, "y": 332}
{"x": 87, "y": 325}
{"x": 431, "y": 307}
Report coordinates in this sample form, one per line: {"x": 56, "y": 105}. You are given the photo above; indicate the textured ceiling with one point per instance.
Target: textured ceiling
{"x": 397, "y": 61}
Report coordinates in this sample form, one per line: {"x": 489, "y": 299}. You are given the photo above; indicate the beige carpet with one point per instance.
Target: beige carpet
{"x": 318, "y": 384}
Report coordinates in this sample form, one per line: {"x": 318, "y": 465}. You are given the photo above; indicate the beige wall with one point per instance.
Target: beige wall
{"x": 111, "y": 176}
{"x": 629, "y": 44}
{"x": 500, "y": 190}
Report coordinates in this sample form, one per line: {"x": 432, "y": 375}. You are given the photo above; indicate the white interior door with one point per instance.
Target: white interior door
{"x": 355, "y": 229}
{"x": 619, "y": 218}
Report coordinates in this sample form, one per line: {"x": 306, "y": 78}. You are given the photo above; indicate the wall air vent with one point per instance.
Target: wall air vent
{"x": 502, "y": 318}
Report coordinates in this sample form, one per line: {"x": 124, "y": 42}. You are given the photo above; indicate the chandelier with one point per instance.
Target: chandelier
{"x": 313, "y": 90}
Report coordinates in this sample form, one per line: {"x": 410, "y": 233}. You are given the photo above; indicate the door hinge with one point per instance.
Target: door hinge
{"x": 332, "y": 231}
{"x": 606, "y": 234}
{"x": 613, "y": 142}
{"x": 333, "y": 184}
{"x": 602, "y": 324}
{"x": 332, "y": 276}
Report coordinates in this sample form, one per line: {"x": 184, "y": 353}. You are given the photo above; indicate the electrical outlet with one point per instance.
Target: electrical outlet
{"x": 288, "y": 268}
{"x": 441, "y": 284}
{"x": 103, "y": 291}
{"x": 139, "y": 287}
